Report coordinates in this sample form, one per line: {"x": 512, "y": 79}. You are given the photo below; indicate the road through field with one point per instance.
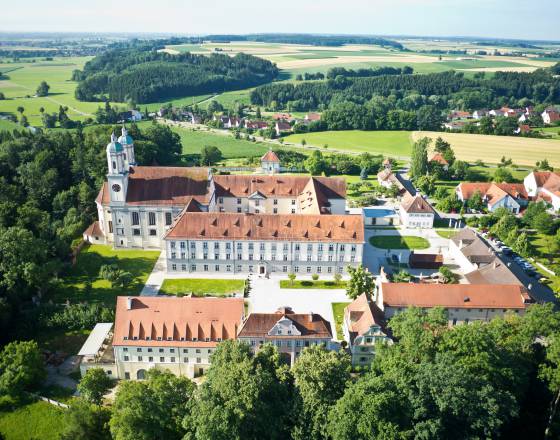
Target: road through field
{"x": 490, "y": 149}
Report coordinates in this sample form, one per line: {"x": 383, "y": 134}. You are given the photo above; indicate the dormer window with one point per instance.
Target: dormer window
{"x": 159, "y": 338}
{"x": 169, "y": 338}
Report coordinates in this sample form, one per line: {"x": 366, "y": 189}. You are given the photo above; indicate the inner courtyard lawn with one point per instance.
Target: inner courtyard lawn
{"x": 310, "y": 284}
{"x": 338, "y": 313}
{"x": 202, "y": 287}
{"x": 399, "y": 242}
{"x": 74, "y": 285}
{"x": 37, "y": 420}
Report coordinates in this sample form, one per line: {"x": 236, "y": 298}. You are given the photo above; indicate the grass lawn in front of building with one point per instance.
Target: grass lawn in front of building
{"x": 36, "y": 420}
{"x": 446, "y": 233}
{"x": 338, "y": 313}
{"x": 75, "y": 283}
{"x": 310, "y": 284}
{"x": 399, "y": 242}
{"x": 202, "y": 287}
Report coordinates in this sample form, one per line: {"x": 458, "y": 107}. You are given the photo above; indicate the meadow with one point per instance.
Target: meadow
{"x": 396, "y": 144}
{"x": 37, "y": 420}
{"x": 490, "y": 149}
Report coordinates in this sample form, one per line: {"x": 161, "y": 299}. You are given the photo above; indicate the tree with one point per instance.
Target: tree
{"x": 84, "y": 420}
{"x": 475, "y": 202}
{"x": 109, "y": 272}
{"x": 361, "y": 281}
{"x": 321, "y": 377}
{"x": 43, "y": 89}
{"x": 315, "y": 163}
{"x": 551, "y": 373}
{"x": 429, "y": 118}
{"x": 402, "y": 276}
{"x": 20, "y": 109}
{"x": 258, "y": 113}
{"x": 543, "y": 222}
{"x": 523, "y": 246}
{"x": 426, "y": 184}
{"x": 448, "y": 276}
{"x": 544, "y": 165}
{"x": 94, "y": 384}
{"x": 244, "y": 396}
{"x": 502, "y": 174}
{"x": 337, "y": 278}
{"x": 419, "y": 160}
{"x": 21, "y": 367}
{"x": 292, "y": 278}
{"x": 210, "y": 155}
{"x": 153, "y": 408}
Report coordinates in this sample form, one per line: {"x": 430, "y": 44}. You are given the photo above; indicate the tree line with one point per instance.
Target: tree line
{"x": 141, "y": 74}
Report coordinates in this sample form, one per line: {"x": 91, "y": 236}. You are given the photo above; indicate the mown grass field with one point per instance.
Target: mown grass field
{"x": 202, "y": 287}
{"x": 138, "y": 262}
{"x": 399, "y": 242}
{"x": 338, "y": 313}
{"x": 490, "y": 149}
{"x": 388, "y": 143}
{"x": 8, "y": 125}
{"x": 37, "y": 421}
{"x": 23, "y": 79}
{"x": 310, "y": 284}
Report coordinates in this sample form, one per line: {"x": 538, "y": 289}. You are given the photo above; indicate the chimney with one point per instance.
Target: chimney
{"x": 128, "y": 303}
{"x": 461, "y": 244}
{"x": 310, "y": 316}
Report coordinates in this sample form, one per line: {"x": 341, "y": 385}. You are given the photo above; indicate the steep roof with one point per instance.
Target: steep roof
{"x": 360, "y": 315}
{"x": 552, "y": 183}
{"x": 437, "y": 157}
{"x": 310, "y": 325}
{"x": 493, "y": 192}
{"x": 94, "y": 230}
{"x": 162, "y": 186}
{"x": 484, "y": 296}
{"x": 416, "y": 205}
{"x": 187, "y": 321}
{"x": 270, "y": 156}
{"x": 494, "y": 273}
{"x": 243, "y": 185}
{"x": 473, "y": 247}
{"x": 275, "y": 227}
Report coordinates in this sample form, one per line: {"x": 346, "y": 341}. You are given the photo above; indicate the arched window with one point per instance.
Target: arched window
{"x": 141, "y": 374}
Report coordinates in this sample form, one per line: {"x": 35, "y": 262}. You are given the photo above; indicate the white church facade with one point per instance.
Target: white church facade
{"x": 140, "y": 207}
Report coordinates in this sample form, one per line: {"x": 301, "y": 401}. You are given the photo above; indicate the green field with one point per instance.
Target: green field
{"x": 22, "y": 84}
{"x": 446, "y": 233}
{"x": 194, "y": 140}
{"x": 37, "y": 421}
{"x": 310, "y": 284}
{"x": 388, "y": 143}
{"x": 338, "y": 313}
{"x": 399, "y": 242}
{"x": 8, "y": 125}
{"x": 202, "y": 286}
{"x": 138, "y": 262}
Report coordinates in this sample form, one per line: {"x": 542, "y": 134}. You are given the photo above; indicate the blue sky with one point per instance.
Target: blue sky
{"x": 533, "y": 19}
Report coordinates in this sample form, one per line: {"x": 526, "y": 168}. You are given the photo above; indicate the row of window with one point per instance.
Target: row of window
{"x": 162, "y": 359}
{"x": 320, "y": 247}
{"x": 171, "y": 350}
{"x": 287, "y": 343}
{"x": 169, "y": 338}
{"x": 239, "y": 268}
{"x": 261, "y": 257}
{"x": 257, "y": 201}
{"x": 135, "y": 218}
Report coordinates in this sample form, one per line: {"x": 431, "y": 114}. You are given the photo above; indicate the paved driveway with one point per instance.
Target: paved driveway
{"x": 267, "y": 296}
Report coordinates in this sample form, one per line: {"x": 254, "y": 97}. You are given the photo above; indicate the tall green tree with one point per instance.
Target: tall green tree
{"x": 21, "y": 368}
{"x": 84, "y": 420}
{"x": 361, "y": 281}
{"x": 419, "y": 159}
{"x": 94, "y": 384}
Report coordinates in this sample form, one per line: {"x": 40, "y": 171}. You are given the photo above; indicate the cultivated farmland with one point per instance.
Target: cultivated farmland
{"x": 490, "y": 149}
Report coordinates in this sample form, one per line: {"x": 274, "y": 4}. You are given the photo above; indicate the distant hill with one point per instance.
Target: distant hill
{"x": 142, "y": 74}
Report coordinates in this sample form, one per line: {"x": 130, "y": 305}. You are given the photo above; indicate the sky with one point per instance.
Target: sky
{"x": 522, "y": 19}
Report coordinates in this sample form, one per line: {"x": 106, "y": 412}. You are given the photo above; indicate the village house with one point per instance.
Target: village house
{"x": 176, "y": 334}
{"x": 454, "y": 125}
{"x": 550, "y": 116}
{"x": 458, "y": 114}
{"x": 511, "y": 196}
{"x": 282, "y": 127}
{"x": 387, "y": 178}
{"x": 312, "y": 117}
{"x": 256, "y": 125}
{"x": 463, "y": 303}
{"x": 438, "y": 158}
{"x": 289, "y": 332}
{"x": 478, "y": 114}
{"x": 270, "y": 164}
{"x": 545, "y": 186}
{"x": 222, "y": 242}
{"x": 364, "y": 327}
{"x": 282, "y": 117}
{"x": 415, "y": 212}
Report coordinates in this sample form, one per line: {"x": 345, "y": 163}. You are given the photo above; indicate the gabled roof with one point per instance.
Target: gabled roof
{"x": 94, "y": 230}
{"x": 416, "y": 205}
{"x": 437, "y": 157}
{"x": 484, "y": 296}
{"x": 187, "y": 321}
{"x": 310, "y": 325}
{"x": 274, "y": 227}
{"x": 493, "y": 192}
{"x": 283, "y": 125}
{"x": 361, "y": 314}
{"x": 270, "y": 156}
{"x": 473, "y": 247}
{"x": 494, "y": 273}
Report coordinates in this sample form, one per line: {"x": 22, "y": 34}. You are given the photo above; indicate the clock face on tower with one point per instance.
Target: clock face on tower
{"x": 116, "y": 188}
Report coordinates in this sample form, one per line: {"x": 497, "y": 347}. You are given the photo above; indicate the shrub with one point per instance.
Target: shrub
{"x": 315, "y": 277}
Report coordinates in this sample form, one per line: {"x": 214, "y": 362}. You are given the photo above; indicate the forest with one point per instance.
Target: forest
{"x": 49, "y": 181}
{"x": 446, "y": 89}
{"x": 141, "y": 74}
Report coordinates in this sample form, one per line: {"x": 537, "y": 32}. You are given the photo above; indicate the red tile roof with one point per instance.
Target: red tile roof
{"x": 471, "y": 296}
{"x": 274, "y": 227}
{"x": 361, "y": 314}
{"x": 437, "y": 157}
{"x": 270, "y": 156}
{"x": 493, "y": 192}
{"x": 416, "y": 205}
{"x": 311, "y": 325}
{"x": 187, "y": 321}
{"x": 94, "y": 230}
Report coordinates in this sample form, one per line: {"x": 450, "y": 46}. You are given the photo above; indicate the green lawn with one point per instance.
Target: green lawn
{"x": 388, "y": 143}
{"x": 338, "y": 312}
{"x": 310, "y": 284}
{"x": 544, "y": 256}
{"x": 399, "y": 242}
{"x": 8, "y": 125}
{"x": 138, "y": 262}
{"x": 37, "y": 421}
{"x": 446, "y": 233}
{"x": 202, "y": 286}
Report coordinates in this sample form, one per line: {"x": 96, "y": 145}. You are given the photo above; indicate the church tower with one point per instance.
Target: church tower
{"x": 117, "y": 177}
{"x": 128, "y": 146}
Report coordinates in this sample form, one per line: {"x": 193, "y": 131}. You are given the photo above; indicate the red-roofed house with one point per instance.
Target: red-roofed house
{"x": 438, "y": 158}
{"x": 270, "y": 163}
{"x": 550, "y": 116}
{"x": 282, "y": 127}
{"x": 544, "y": 185}
{"x": 511, "y": 196}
